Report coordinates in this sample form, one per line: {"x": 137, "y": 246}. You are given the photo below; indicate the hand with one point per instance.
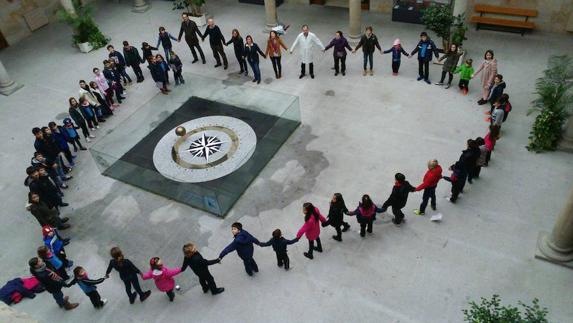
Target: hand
{"x": 354, "y": 51}
{"x": 106, "y": 276}
{"x": 472, "y": 76}
{"x": 218, "y": 260}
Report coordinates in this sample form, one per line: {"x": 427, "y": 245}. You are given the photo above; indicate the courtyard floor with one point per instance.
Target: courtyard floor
{"x": 356, "y": 133}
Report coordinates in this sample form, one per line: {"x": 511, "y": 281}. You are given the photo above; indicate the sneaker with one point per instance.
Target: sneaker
{"x": 144, "y": 296}
{"x": 337, "y": 238}
{"x": 300, "y": 76}
{"x": 218, "y": 291}
{"x": 448, "y": 86}
{"x": 91, "y": 136}
{"x": 312, "y": 76}
{"x": 420, "y": 78}
{"x": 103, "y": 302}
{"x": 371, "y": 73}
{"x": 88, "y": 140}
{"x": 309, "y": 256}
{"x": 440, "y": 83}
{"x": 364, "y": 73}
{"x": 418, "y": 212}
{"x": 428, "y": 81}
{"x": 177, "y": 288}
{"x": 92, "y": 129}
{"x": 97, "y": 127}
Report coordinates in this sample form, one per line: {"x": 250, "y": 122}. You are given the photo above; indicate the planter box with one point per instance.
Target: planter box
{"x": 85, "y": 47}
{"x": 200, "y": 21}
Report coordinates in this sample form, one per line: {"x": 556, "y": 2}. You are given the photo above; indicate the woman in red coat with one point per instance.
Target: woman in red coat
{"x": 429, "y": 184}
{"x": 311, "y": 228}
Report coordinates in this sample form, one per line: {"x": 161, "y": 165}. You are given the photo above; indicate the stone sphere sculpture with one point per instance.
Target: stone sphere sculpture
{"x": 180, "y": 131}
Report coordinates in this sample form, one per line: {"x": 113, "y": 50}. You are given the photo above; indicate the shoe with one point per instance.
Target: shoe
{"x": 205, "y": 290}
{"x": 364, "y": 73}
{"x": 88, "y": 139}
{"x": 256, "y": 269}
{"x": 433, "y": 208}
{"x": 92, "y": 129}
{"x": 218, "y": 291}
{"x": 64, "y": 226}
{"x": 465, "y": 91}
{"x": 337, "y": 238}
{"x": 300, "y": 76}
{"x": 195, "y": 61}
{"x": 246, "y": 73}
{"x": 97, "y": 127}
{"x": 225, "y": 67}
{"x": 103, "y": 302}
{"x": 420, "y": 78}
{"x": 371, "y": 73}
{"x": 217, "y": 65}
{"x": 91, "y": 136}
{"x": 487, "y": 119}
{"x": 346, "y": 227}
{"x": 204, "y": 62}
{"x": 70, "y": 306}
{"x": 145, "y": 295}
{"x": 318, "y": 249}
{"x": 418, "y": 212}
{"x": 171, "y": 298}
{"x": 254, "y": 80}
{"x": 440, "y": 83}
{"x": 448, "y": 86}
{"x": 67, "y": 178}
{"x": 394, "y": 74}
{"x": 83, "y": 148}
{"x": 396, "y": 222}
{"x": 487, "y": 113}
{"x": 64, "y": 186}
{"x": 312, "y": 76}
{"x": 64, "y": 204}
{"x": 250, "y": 274}
{"x": 132, "y": 298}
{"x": 343, "y": 73}
{"x": 259, "y": 82}
{"x": 309, "y": 256}
{"x": 427, "y": 81}
{"x": 362, "y": 234}
{"x": 335, "y": 73}
{"x": 484, "y": 102}
{"x": 241, "y": 72}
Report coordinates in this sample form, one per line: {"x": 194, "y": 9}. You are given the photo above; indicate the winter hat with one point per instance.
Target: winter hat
{"x": 46, "y": 230}
{"x": 396, "y": 41}
{"x": 67, "y": 120}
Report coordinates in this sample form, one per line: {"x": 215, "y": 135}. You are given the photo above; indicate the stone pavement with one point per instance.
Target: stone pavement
{"x": 357, "y": 132}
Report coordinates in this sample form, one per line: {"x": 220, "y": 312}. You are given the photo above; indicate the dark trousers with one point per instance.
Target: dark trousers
{"x": 95, "y": 298}
{"x": 256, "y": 70}
{"x": 218, "y": 53}
{"x": 170, "y": 294}
{"x": 473, "y": 173}
{"x": 429, "y": 194}
{"x": 132, "y": 281}
{"x": 178, "y": 77}
{"x": 487, "y": 157}
{"x": 303, "y": 69}
{"x": 366, "y": 225}
{"x": 276, "y": 60}
{"x": 123, "y": 73}
{"x": 464, "y": 84}
{"x": 250, "y": 266}
{"x": 69, "y": 156}
{"x": 398, "y": 215}
{"x": 424, "y": 69}
{"x": 450, "y": 77}
{"x": 84, "y": 128}
{"x": 118, "y": 89}
{"x": 198, "y": 47}
{"x": 395, "y": 66}
{"x": 283, "y": 260}
{"x": 368, "y": 57}
{"x": 59, "y": 297}
{"x": 242, "y": 61}
{"x": 137, "y": 71}
{"x": 311, "y": 246}
{"x": 109, "y": 96}
{"x": 76, "y": 142}
{"x": 340, "y": 62}
{"x": 208, "y": 283}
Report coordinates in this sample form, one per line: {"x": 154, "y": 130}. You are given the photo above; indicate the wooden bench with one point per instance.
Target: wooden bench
{"x": 510, "y": 24}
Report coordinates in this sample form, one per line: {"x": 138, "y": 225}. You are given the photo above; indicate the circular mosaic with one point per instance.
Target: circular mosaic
{"x": 204, "y": 149}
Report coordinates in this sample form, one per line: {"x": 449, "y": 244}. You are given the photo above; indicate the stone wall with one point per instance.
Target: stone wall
{"x": 12, "y": 23}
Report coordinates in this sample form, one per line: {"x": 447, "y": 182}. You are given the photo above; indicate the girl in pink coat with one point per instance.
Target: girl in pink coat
{"x": 311, "y": 228}
{"x": 489, "y": 69}
{"x": 162, "y": 276}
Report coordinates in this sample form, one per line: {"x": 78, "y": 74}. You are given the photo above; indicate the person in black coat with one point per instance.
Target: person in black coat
{"x": 158, "y": 75}
{"x": 44, "y": 214}
{"x": 425, "y": 49}
{"x": 336, "y": 216}
{"x": 44, "y": 187}
{"x": 133, "y": 59}
{"x": 189, "y": 27}
{"x": 398, "y": 198}
{"x": 120, "y": 63}
{"x": 51, "y": 281}
{"x": 252, "y": 52}
{"x": 147, "y": 52}
{"x": 496, "y": 91}
{"x": 127, "y": 273}
{"x": 216, "y": 40}
{"x": 200, "y": 267}
{"x": 239, "y": 48}
{"x": 279, "y": 244}
{"x": 468, "y": 160}
{"x": 79, "y": 120}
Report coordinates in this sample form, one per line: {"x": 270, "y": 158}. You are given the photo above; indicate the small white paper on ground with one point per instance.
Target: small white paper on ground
{"x": 436, "y": 217}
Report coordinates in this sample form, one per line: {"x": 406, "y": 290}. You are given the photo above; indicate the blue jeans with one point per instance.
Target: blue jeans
{"x": 256, "y": 70}
{"x": 166, "y": 50}
{"x": 368, "y": 56}
{"x": 59, "y": 297}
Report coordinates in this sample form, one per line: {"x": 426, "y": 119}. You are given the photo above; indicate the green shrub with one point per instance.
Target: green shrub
{"x": 491, "y": 311}
{"x": 85, "y": 28}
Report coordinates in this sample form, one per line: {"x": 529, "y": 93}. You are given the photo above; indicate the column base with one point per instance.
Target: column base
{"x": 354, "y": 39}
{"x": 11, "y": 88}
{"x": 269, "y": 27}
{"x": 141, "y": 8}
{"x": 546, "y": 252}
{"x": 566, "y": 145}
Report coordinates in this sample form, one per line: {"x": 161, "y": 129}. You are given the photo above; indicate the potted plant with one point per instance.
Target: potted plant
{"x": 492, "y": 311}
{"x": 439, "y": 19}
{"x": 87, "y": 35}
{"x": 196, "y": 13}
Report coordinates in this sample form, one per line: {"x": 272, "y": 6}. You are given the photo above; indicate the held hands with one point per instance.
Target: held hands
{"x": 106, "y": 276}
{"x": 354, "y": 51}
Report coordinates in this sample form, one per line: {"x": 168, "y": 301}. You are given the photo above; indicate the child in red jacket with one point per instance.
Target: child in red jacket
{"x": 311, "y": 228}
{"x": 429, "y": 184}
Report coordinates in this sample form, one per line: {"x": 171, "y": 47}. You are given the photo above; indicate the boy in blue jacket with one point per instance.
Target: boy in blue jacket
{"x": 280, "y": 244}
{"x": 425, "y": 48}
{"x": 243, "y": 244}
{"x": 88, "y": 286}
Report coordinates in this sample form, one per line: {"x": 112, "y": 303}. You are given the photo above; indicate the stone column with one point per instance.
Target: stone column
{"x": 557, "y": 247}
{"x": 7, "y": 85}
{"x": 271, "y": 14}
{"x": 460, "y": 6}
{"x": 140, "y": 6}
{"x": 566, "y": 144}
{"x": 68, "y": 6}
{"x": 354, "y": 12}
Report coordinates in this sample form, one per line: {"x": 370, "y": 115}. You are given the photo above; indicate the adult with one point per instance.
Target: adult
{"x": 76, "y": 115}
{"x": 164, "y": 38}
{"x": 307, "y": 41}
{"x": 51, "y": 281}
{"x": 200, "y": 267}
{"x": 133, "y": 59}
{"x": 44, "y": 214}
{"x": 340, "y": 45}
{"x": 45, "y": 188}
{"x": 425, "y": 48}
{"x": 369, "y": 43}
{"x": 216, "y": 40}
{"x": 239, "y": 49}
{"x": 429, "y": 184}
{"x": 120, "y": 63}
{"x": 311, "y": 228}
{"x": 190, "y": 29}
{"x": 104, "y": 86}
{"x": 488, "y": 68}
{"x": 274, "y": 44}
{"x": 252, "y": 52}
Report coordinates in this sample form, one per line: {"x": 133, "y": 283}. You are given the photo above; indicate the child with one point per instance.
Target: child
{"x": 48, "y": 257}
{"x": 365, "y": 214}
{"x": 162, "y": 276}
{"x": 56, "y": 244}
{"x": 280, "y": 244}
{"x": 429, "y": 184}
{"x": 498, "y": 114}
{"x": 164, "y": 67}
{"x": 177, "y": 67}
{"x": 164, "y": 39}
{"x": 147, "y": 51}
{"x": 243, "y": 243}
{"x": 466, "y": 71}
{"x": 452, "y": 57}
{"x": 506, "y": 105}
{"x": 397, "y": 52}
{"x": 481, "y": 160}
{"x": 88, "y": 286}
{"x": 490, "y": 140}
{"x": 495, "y": 91}
{"x": 73, "y": 136}
{"x": 455, "y": 179}
{"x": 127, "y": 273}
{"x": 200, "y": 267}
{"x": 398, "y": 198}
{"x": 336, "y": 216}
{"x": 425, "y": 49}
{"x": 158, "y": 75}
{"x": 311, "y": 228}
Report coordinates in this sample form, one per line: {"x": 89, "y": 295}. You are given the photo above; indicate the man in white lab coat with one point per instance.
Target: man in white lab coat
{"x": 306, "y": 40}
